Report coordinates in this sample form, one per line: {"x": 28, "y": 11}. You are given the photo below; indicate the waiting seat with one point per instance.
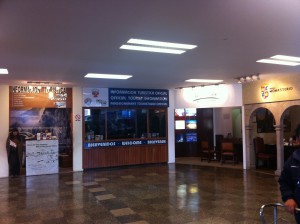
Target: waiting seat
{"x": 206, "y": 153}
{"x": 228, "y": 152}
{"x": 261, "y": 153}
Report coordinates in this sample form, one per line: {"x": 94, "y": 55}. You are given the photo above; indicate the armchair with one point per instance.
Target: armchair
{"x": 228, "y": 152}
{"x": 261, "y": 153}
{"x": 206, "y": 152}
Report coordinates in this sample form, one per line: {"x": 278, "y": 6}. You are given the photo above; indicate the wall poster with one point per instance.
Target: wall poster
{"x": 35, "y": 110}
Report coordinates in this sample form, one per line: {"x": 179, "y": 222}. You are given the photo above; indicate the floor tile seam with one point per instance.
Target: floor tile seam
{"x": 99, "y": 201}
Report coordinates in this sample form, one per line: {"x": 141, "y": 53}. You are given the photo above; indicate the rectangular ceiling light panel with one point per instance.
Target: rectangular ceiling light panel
{"x": 152, "y": 49}
{"x": 3, "y": 71}
{"x": 107, "y": 76}
{"x": 156, "y": 46}
{"x": 204, "y": 80}
{"x": 286, "y": 58}
{"x": 278, "y": 62}
{"x": 161, "y": 44}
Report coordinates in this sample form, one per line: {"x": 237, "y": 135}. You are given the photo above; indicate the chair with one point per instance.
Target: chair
{"x": 228, "y": 152}
{"x": 260, "y": 152}
{"x": 219, "y": 139}
{"x": 206, "y": 152}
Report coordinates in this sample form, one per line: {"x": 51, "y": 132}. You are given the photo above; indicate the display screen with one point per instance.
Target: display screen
{"x": 127, "y": 114}
{"x": 191, "y": 124}
{"x": 179, "y": 137}
{"x": 190, "y": 112}
{"x": 191, "y": 137}
{"x": 179, "y": 113}
{"x": 180, "y": 125}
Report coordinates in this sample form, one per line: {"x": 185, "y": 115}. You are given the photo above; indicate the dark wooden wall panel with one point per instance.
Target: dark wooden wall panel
{"x": 120, "y": 156}
{"x": 204, "y": 132}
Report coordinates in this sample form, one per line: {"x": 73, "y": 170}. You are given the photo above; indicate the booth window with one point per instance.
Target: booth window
{"x": 94, "y": 123}
{"x": 111, "y": 124}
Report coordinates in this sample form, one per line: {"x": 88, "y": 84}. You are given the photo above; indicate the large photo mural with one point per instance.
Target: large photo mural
{"x": 55, "y": 122}
{"x": 42, "y": 113}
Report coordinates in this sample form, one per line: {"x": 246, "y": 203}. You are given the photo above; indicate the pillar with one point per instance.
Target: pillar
{"x": 249, "y": 157}
{"x": 279, "y": 148}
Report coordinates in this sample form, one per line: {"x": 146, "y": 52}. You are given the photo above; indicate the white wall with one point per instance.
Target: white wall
{"x": 222, "y": 121}
{"x": 77, "y": 129}
{"x": 237, "y": 123}
{"x": 171, "y": 128}
{"x": 226, "y": 96}
{"x": 4, "y": 121}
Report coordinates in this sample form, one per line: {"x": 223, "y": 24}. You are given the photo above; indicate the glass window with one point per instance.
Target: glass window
{"x": 141, "y": 123}
{"x": 110, "y": 124}
{"x": 94, "y": 124}
{"x": 121, "y": 124}
{"x": 157, "y": 121}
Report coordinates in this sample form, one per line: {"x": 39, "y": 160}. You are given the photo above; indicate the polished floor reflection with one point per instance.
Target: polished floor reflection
{"x": 153, "y": 194}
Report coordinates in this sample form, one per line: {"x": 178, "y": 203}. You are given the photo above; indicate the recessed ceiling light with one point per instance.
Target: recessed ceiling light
{"x": 204, "y": 80}
{"x": 161, "y": 44}
{"x": 278, "y": 62}
{"x": 156, "y": 46}
{"x": 3, "y": 71}
{"x": 152, "y": 49}
{"x": 107, "y": 76}
{"x": 286, "y": 58}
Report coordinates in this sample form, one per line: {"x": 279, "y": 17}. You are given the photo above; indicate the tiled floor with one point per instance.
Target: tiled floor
{"x": 149, "y": 194}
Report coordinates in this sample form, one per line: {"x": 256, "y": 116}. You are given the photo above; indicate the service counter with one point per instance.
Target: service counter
{"x": 124, "y": 136}
{"x": 124, "y": 152}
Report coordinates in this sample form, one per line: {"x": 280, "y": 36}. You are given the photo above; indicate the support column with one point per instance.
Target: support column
{"x": 249, "y": 153}
{"x": 279, "y": 149}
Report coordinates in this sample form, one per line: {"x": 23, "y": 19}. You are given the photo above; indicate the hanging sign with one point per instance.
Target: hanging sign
{"x": 138, "y": 97}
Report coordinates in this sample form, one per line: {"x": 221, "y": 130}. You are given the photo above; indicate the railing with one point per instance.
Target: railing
{"x": 275, "y": 207}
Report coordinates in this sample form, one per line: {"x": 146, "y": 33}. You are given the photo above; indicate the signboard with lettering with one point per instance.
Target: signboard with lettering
{"x": 41, "y": 157}
{"x": 90, "y": 145}
{"x": 95, "y": 97}
{"x": 119, "y": 97}
{"x": 40, "y": 97}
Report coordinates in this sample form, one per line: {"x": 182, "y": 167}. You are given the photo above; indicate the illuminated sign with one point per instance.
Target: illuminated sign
{"x": 266, "y": 90}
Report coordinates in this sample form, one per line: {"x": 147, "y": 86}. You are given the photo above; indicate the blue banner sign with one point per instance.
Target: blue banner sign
{"x": 119, "y": 97}
{"x": 90, "y": 145}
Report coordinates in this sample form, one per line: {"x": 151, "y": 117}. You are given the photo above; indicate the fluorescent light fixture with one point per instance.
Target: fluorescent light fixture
{"x": 151, "y": 49}
{"x": 286, "y": 58}
{"x": 278, "y": 62}
{"x": 3, "y": 71}
{"x": 156, "y": 46}
{"x": 107, "y": 76}
{"x": 204, "y": 80}
{"x": 161, "y": 44}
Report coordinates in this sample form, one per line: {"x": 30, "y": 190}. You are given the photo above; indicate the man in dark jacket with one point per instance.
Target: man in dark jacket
{"x": 290, "y": 184}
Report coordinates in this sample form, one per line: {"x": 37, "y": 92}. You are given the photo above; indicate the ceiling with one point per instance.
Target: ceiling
{"x": 63, "y": 40}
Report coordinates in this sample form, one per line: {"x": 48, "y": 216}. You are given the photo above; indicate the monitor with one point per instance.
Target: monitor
{"x": 190, "y": 112}
{"x": 179, "y": 137}
{"x": 191, "y": 137}
{"x": 179, "y": 113}
{"x": 180, "y": 125}
{"x": 191, "y": 124}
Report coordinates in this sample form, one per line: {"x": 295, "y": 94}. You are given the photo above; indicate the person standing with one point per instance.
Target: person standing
{"x": 289, "y": 182}
{"x": 14, "y": 149}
